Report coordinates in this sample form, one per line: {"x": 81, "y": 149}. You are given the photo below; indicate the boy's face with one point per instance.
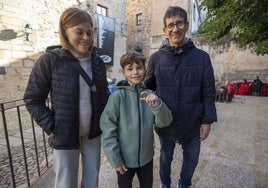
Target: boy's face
{"x": 134, "y": 73}
{"x": 176, "y": 30}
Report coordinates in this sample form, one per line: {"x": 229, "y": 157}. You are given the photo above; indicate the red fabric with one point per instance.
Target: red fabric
{"x": 230, "y": 89}
{"x": 265, "y": 90}
{"x": 243, "y": 89}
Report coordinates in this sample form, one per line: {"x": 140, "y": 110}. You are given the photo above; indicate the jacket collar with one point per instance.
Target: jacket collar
{"x": 57, "y": 49}
{"x": 125, "y": 84}
{"x": 172, "y": 50}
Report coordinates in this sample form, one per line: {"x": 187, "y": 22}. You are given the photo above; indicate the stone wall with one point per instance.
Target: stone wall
{"x": 138, "y": 35}
{"x": 17, "y": 55}
{"x": 229, "y": 61}
{"x": 149, "y": 34}
{"x": 116, "y": 10}
{"x": 233, "y": 63}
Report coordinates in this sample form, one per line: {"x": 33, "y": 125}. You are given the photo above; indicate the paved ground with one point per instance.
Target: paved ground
{"x": 234, "y": 155}
{"x": 16, "y": 118}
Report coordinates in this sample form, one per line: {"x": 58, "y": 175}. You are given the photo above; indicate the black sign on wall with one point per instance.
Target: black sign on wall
{"x": 105, "y": 38}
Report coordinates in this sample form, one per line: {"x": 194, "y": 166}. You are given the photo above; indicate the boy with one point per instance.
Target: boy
{"x": 127, "y": 124}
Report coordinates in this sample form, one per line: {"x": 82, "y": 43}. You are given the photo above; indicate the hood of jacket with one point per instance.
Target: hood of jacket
{"x": 172, "y": 50}
{"x": 123, "y": 84}
{"x": 66, "y": 54}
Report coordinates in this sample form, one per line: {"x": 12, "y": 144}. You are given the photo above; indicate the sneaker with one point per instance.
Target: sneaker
{"x": 180, "y": 185}
{"x": 164, "y": 185}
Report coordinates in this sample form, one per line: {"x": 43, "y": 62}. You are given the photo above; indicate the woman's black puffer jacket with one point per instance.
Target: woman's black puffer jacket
{"x": 54, "y": 75}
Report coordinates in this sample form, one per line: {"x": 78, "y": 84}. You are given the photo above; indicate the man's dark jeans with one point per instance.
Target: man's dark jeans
{"x": 191, "y": 151}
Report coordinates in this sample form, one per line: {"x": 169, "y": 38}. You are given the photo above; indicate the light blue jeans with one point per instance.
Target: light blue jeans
{"x": 66, "y": 165}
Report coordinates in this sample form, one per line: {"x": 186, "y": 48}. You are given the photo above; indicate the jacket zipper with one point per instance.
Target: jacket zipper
{"x": 139, "y": 118}
{"x": 178, "y": 83}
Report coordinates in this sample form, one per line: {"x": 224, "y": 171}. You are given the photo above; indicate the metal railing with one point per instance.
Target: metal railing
{"x": 25, "y": 149}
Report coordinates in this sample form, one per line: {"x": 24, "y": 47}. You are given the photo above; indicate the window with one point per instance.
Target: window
{"x": 102, "y": 10}
{"x": 139, "y": 19}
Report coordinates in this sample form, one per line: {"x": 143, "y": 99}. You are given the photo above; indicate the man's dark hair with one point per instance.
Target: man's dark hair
{"x": 175, "y": 11}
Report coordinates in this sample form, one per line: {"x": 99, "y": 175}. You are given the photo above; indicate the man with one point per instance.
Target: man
{"x": 183, "y": 78}
{"x": 256, "y": 86}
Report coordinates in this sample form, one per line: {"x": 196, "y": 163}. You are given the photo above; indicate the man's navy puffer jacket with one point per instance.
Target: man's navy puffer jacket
{"x": 183, "y": 78}
{"x": 53, "y": 74}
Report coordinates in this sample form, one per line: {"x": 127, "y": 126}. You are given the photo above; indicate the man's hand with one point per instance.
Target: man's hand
{"x": 204, "y": 131}
{"x": 121, "y": 169}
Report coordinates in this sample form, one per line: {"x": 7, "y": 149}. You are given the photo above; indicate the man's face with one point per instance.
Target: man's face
{"x": 176, "y": 30}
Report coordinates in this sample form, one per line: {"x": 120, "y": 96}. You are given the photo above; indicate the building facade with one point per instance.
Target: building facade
{"x": 28, "y": 27}
{"x": 145, "y": 26}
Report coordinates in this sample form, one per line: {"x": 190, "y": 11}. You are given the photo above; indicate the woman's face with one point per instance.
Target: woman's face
{"x": 80, "y": 37}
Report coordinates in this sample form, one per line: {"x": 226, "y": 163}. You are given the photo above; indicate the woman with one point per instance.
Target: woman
{"x": 243, "y": 88}
{"x": 73, "y": 119}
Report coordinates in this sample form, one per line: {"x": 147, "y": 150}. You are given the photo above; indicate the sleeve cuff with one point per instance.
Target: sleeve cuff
{"x": 157, "y": 104}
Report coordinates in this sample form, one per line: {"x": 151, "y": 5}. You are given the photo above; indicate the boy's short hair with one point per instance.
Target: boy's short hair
{"x": 175, "y": 11}
{"x": 132, "y": 57}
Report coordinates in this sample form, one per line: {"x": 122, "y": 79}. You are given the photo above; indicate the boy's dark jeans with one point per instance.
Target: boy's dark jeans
{"x": 144, "y": 174}
{"x": 191, "y": 151}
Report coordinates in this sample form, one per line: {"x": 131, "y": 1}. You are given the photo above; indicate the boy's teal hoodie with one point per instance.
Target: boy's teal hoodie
{"x": 127, "y": 126}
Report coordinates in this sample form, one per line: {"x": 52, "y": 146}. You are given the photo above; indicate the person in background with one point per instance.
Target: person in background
{"x": 73, "y": 119}
{"x": 244, "y": 88}
{"x": 222, "y": 94}
{"x": 112, "y": 85}
{"x": 230, "y": 91}
{"x": 183, "y": 78}
{"x": 256, "y": 86}
{"x": 217, "y": 84}
{"x": 127, "y": 124}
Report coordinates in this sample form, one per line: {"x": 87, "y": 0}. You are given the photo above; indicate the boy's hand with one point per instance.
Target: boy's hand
{"x": 150, "y": 98}
{"x": 121, "y": 169}
{"x": 143, "y": 95}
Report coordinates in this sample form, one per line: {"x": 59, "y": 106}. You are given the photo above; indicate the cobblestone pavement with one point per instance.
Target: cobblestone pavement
{"x": 234, "y": 155}
{"x": 18, "y": 158}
